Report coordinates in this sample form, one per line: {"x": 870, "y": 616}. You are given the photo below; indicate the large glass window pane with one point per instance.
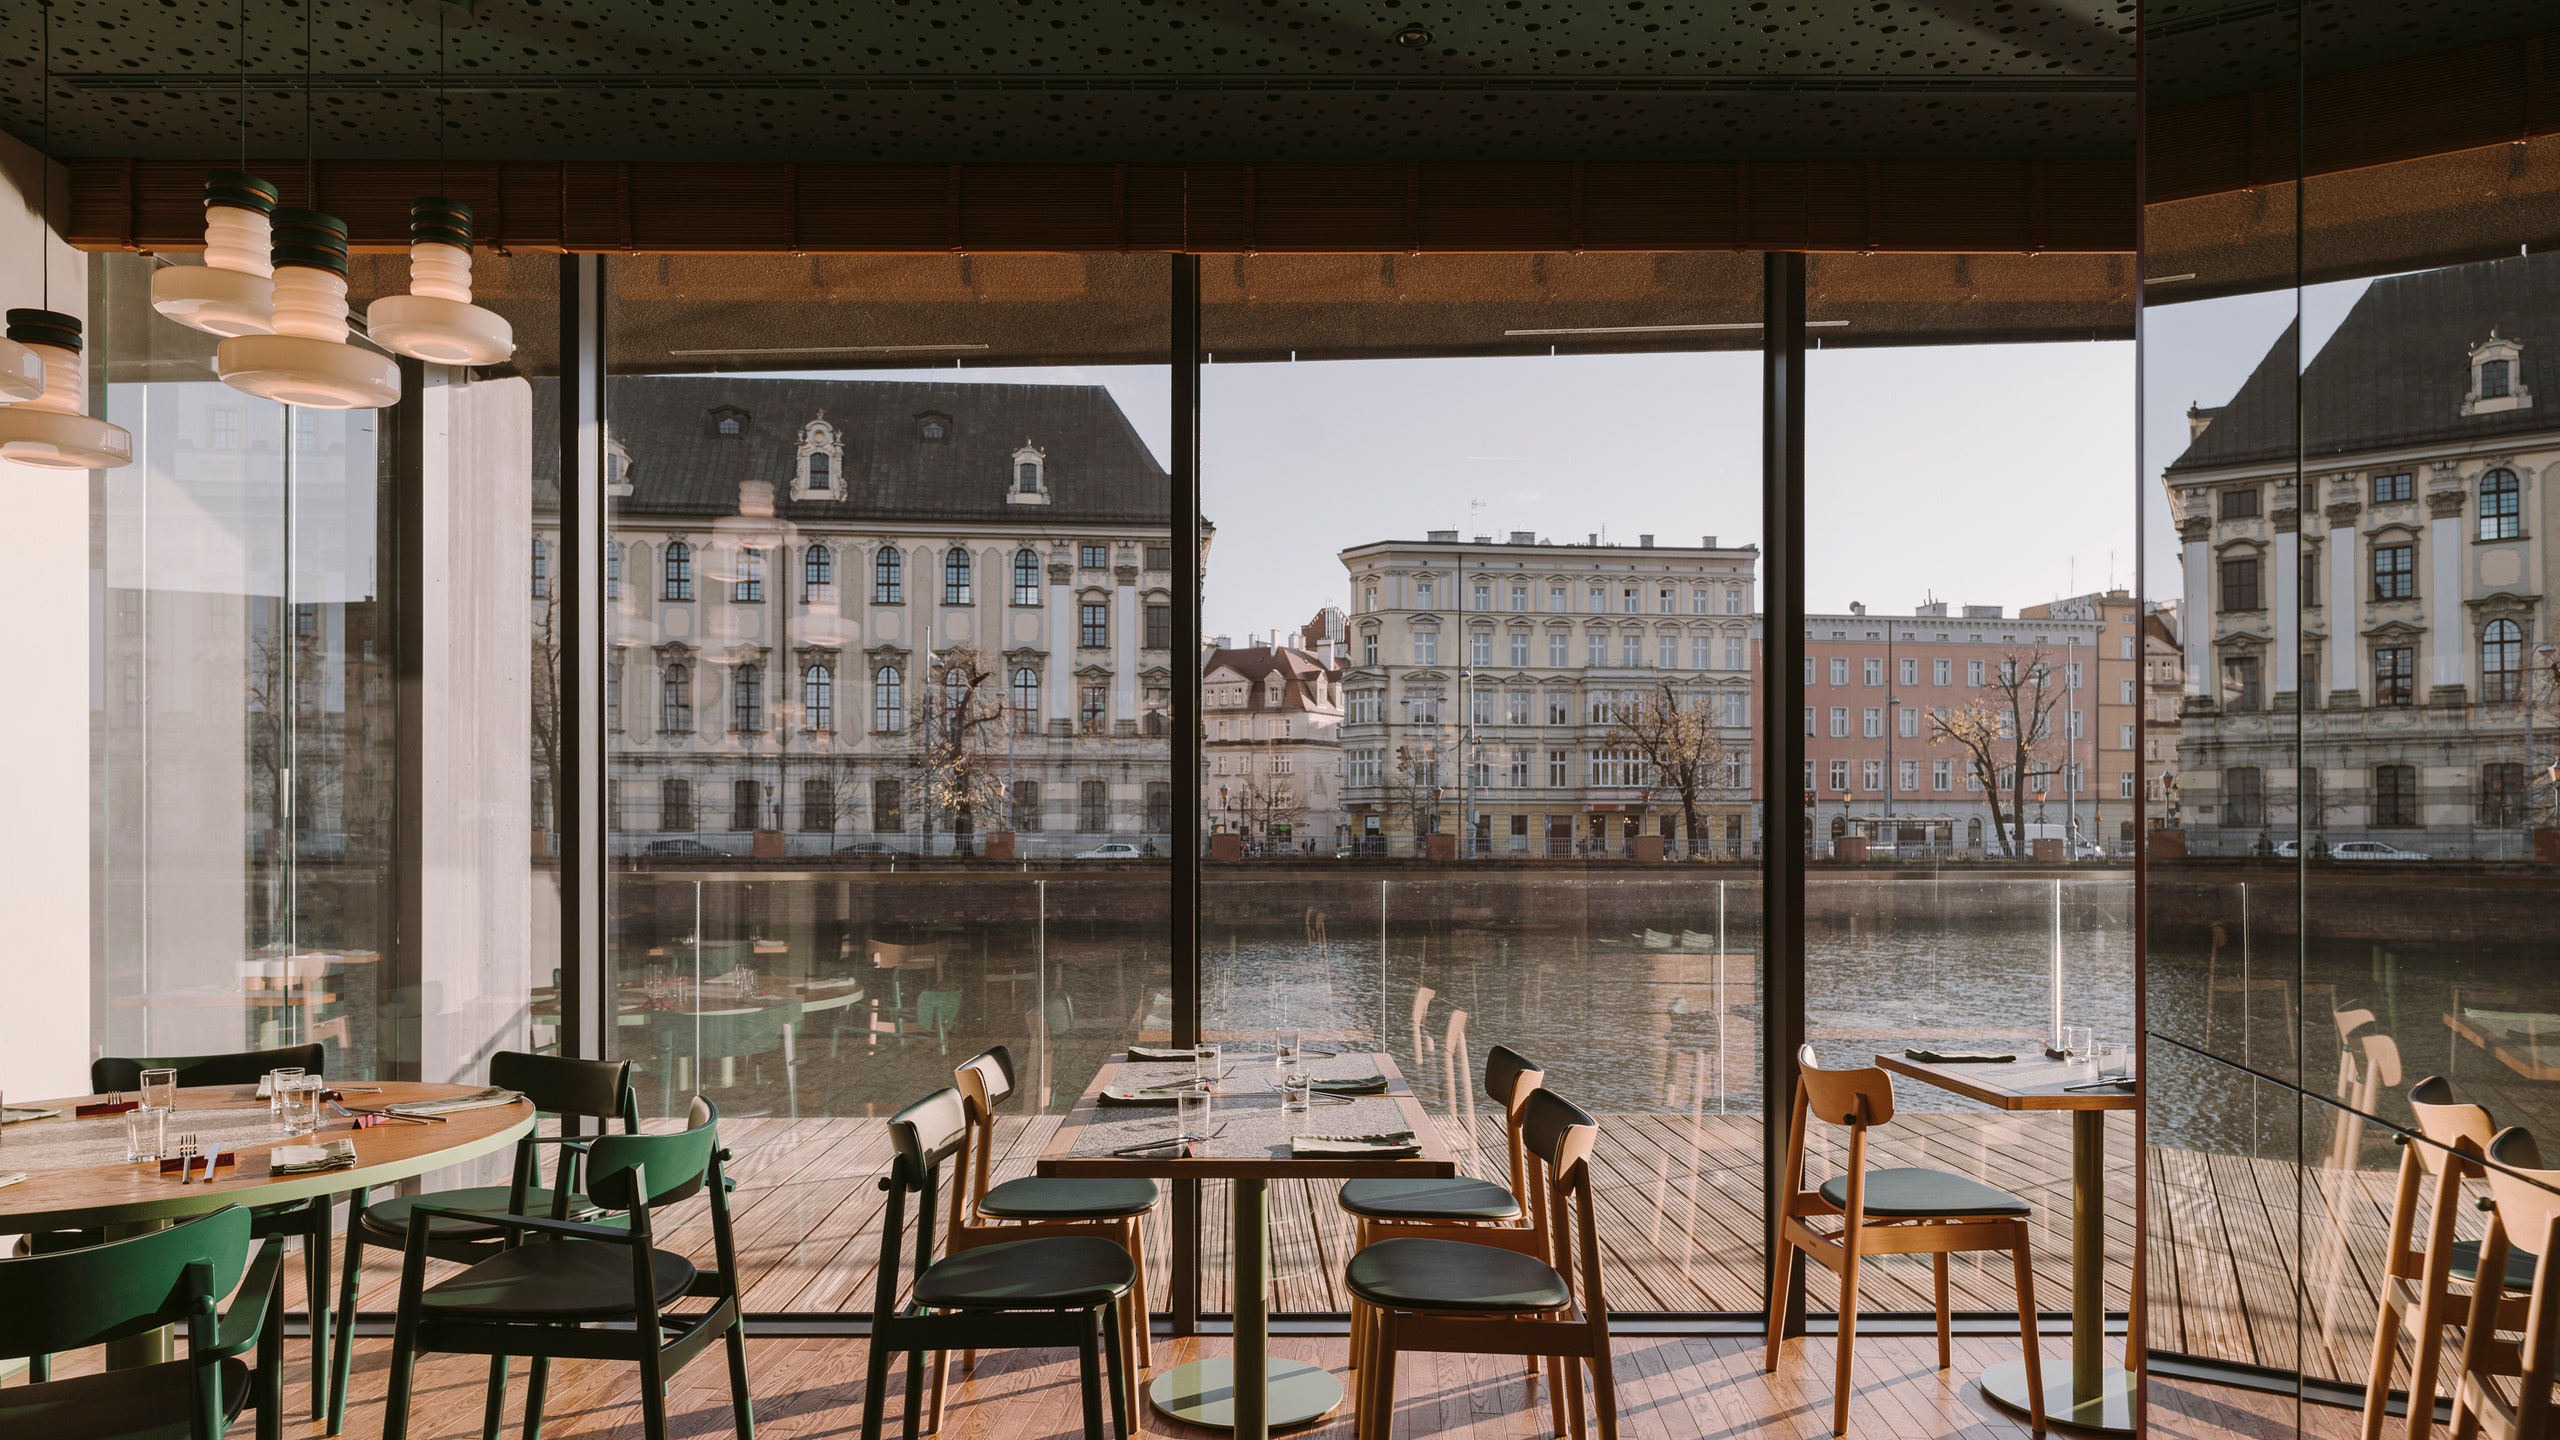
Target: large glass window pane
{"x": 1481, "y": 625}
{"x": 888, "y": 728}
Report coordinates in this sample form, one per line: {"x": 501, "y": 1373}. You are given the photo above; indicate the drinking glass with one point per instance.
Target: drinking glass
{"x": 1294, "y": 1088}
{"x": 2075, "y": 1041}
{"x": 277, "y": 1082}
{"x": 1209, "y": 1060}
{"x": 2115, "y": 1060}
{"x": 159, "y": 1089}
{"x": 145, "y": 1134}
{"x": 1191, "y": 1115}
{"x": 302, "y": 1105}
{"x": 1289, "y": 1051}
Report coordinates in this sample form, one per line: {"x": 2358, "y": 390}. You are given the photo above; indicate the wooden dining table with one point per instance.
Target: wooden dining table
{"x": 2093, "y": 1395}
{"x": 1254, "y": 1392}
{"x": 78, "y": 1178}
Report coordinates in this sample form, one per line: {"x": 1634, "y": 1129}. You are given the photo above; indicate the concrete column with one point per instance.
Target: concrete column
{"x": 2346, "y": 568}
{"x": 2448, "y": 646}
{"x": 2287, "y": 607}
{"x": 2197, "y": 619}
{"x": 1124, "y": 646}
{"x": 1057, "y": 702}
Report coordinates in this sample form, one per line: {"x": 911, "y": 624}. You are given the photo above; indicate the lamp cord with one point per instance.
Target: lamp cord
{"x": 44, "y": 166}
{"x": 241, "y": 104}
{"x": 441, "y": 184}
{"x": 310, "y": 146}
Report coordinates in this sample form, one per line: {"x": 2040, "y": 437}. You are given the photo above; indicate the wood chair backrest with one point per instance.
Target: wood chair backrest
{"x": 2526, "y": 1193}
{"x": 1856, "y": 1098}
{"x": 985, "y": 1081}
{"x": 2457, "y": 1129}
{"x": 2527, "y": 1196}
{"x": 1559, "y": 1138}
{"x": 1510, "y": 1078}
{"x": 2451, "y": 1137}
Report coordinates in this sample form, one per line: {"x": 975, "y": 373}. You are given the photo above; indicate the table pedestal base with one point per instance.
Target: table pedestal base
{"x": 2109, "y": 1411}
{"x": 1203, "y": 1393}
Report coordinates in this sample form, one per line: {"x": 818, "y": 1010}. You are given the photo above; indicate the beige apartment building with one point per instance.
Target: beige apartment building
{"x": 1488, "y": 680}
{"x": 1273, "y": 715}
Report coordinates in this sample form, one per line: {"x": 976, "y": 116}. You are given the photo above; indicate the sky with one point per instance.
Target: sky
{"x": 1976, "y": 474}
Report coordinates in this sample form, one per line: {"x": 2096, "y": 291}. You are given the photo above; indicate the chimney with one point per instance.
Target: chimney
{"x": 1443, "y": 537}
{"x": 1484, "y": 539}
{"x": 1857, "y": 607}
{"x": 1594, "y": 540}
{"x": 1982, "y": 612}
{"x": 1222, "y": 642}
{"x": 1524, "y": 537}
{"x": 1644, "y": 542}
{"x": 1707, "y": 542}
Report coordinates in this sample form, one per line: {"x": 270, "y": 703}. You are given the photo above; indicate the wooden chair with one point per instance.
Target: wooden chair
{"x": 2418, "y": 1295}
{"x": 575, "y": 1091}
{"x": 984, "y": 1213}
{"x": 73, "y": 1299}
{"x": 1054, "y": 1290}
{"x": 2527, "y": 1217}
{"x": 586, "y": 1291}
{"x": 1533, "y": 1291}
{"x": 310, "y": 1221}
{"x": 1906, "y": 1211}
{"x": 1382, "y": 1206}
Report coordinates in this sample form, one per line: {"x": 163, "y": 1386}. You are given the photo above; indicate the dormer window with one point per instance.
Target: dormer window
{"x": 1027, "y": 483}
{"x": 933, "y": 428}
{"x": 821, "y": 462}
{"x": 2497, "y": 378}
{"x": 728, "y": 422}
{"x": 617, "y": 468}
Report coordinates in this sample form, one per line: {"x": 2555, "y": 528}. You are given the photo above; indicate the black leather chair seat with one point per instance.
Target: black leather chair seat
{"x": 386, "y": 1222}
{"x": 1918, "y": 1193}
{"x": 1058, "y": 1272}
{"x": 1456, "y": 1198}
{"x": 151, "y": 1403}
{"x": 2466, "y": 1265}
{"x": 1068, "y": 1198}
{"x": 555, "y": 1280}
{"x": 1414, "y": 1273}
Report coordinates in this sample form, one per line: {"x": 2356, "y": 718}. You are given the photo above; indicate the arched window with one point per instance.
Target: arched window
{"x": 2500, "y": 512}
{"x": 750, "y": 587}
{"x": 1026, "y": 577}
{"x": 541, "y": 568}
{"x": 675, "y": 700}
{"x": 1026, "y": 700}
{"x": 613, "y": 572}
{"x": 888, "y": 700}
{"x": 888, "y": 585}
{"x": 821, "y": 470}
{"x": 955, "y": 577}
{"x": 2501, "y": 660}
{"x": 818, "y": 574}
{"x": 818, "y": 697}
{"x": 679, "y": 570}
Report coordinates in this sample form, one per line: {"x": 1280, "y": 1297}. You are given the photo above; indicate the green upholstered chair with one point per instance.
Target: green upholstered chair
{"x": 72, "y": 1299}
{"x": 583, "y": 1290}
{"x": 310, "y": 1221}
{"x": 577, "y": 1093}
{"x": 1050, "y": 1291}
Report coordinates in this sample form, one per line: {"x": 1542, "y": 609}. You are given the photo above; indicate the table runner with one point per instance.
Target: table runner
{"x": 71, "y": 1144}
{"x": 1247, "y": 1104}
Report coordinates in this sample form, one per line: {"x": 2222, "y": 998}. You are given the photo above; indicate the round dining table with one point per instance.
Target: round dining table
{"x": 78, "y": 1178}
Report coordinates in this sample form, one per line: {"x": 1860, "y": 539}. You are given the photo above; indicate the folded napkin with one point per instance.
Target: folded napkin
{"x": 1352, "y": 1085}
{"x": 1958, "y": 1057}
{"x": 1144, "y": 1053}
{"x": 1391, "y": 1143}
{"x": 311, "y": 1159}
{"x": 476, "y": 1100}
{"x": 15, "y": 1115}
{"x": 1132, "y": 1095}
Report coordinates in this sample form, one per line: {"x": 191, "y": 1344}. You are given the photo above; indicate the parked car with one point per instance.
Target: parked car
{"x": 2369, "y": 850}
{"x": 1114, "y": 850}
{"x": 679, "y": 849}
{"x": 872, "y": 850}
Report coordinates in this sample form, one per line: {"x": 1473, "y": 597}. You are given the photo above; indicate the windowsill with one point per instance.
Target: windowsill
{"x": 2499, "y": 539}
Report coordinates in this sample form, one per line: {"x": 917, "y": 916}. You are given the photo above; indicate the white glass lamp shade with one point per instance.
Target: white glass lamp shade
{"x": 233, "y": 291}
{"x": 50, "y": 432}
{"x": 436, "y": 320}
{"x": 307, "y": 361}
{"x": 21, "y": 371}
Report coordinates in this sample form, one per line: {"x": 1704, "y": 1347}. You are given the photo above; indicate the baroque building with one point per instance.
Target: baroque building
{"x": 1487, "y": 684}
{"x": 1273, "y": 746}
{"x": 2362, "y": 642}
{"x": 794, "y": 563}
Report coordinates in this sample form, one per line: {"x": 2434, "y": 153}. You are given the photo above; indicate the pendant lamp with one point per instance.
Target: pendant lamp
{"x": 307, "y": 361}
{"x": 233, "y": 291}
{"x": 52, "y": 432}
{"x": 21, "y": 372}
{"x": 436, "y": 320}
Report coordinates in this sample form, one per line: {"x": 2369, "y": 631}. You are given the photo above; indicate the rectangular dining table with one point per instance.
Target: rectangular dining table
{"x": 2094, "y": 1395}
{"x": 1249, "y": 1147}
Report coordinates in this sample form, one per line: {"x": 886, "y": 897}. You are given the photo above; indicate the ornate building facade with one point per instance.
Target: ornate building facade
{"x": 794, "y": 569}
{"x": 2364, "y": 647}
{"x": 1274, "y": 742}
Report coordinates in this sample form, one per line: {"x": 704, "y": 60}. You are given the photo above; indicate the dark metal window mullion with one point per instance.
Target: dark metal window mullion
{"x": 1186, "y": 761}
{"x": 581, "y": 681}
{"x": 1783, "y": 830}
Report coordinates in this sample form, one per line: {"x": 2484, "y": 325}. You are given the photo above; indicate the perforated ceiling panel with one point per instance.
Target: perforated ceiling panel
{"x": 1043, "y": 81}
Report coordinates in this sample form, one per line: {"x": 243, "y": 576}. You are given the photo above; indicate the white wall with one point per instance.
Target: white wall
{"x": 44, "y": 858}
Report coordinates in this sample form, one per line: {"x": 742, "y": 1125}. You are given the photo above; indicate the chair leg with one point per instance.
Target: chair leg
{"x": 1560, "y": 1378}
{"x": 497, "y": 1397}
{"x": 1115, "y": 1347}
{"x": 741, "y": 1403}
{"x": 1844, "y": 1381}
{"x": 39, "y": 1368}
{"x": 1382, "y": 1356}
{"x": 2025, "y": 1268}
{"x": 1604, "y": 1390}
{"x": 2422, "y": 1371}
{"x": 653, "y": 1394}
{"x": 915, "y": 1393}
{"x": 940, "y": 1367}
{"x": 315, "y": 1296}
{"x": 1938, "y": 1264}
{"x": 1137, "y": 1305}
{"x": 1089, "y": 1376}
{"x": 343, "y": 1353}
{"x": 537, "y": 1385}
{"x": 1777, "y": 1300}
{"x": 875, "y": 1389}
{"x": 404, "y": 1358}
{"x": 1575, "y": 1423}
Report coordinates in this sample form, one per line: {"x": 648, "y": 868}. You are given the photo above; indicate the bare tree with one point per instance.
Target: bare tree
{"x": 1680, "y": 748}
{"x": 1264, "y": 804}
{"x": 1413, "y": 789}
{"x": 956, "y": 740}
{"x": 2006, "y": 727}
{"x": 547, "y": 719}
